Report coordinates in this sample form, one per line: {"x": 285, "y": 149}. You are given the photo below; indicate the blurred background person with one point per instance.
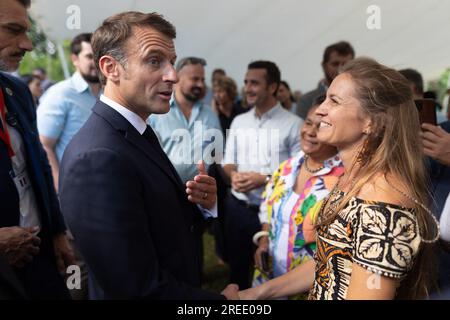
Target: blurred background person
{"x": 292, "y": 199}
{"x": 186, "y": 109}
{"x": 226, "y": 105}
{"x": 286, "y": 98}
{"x": 250, "y": 160}
{"x": 209, "y": 91}
{"x": 42, "y": 75}
{"x": 66, "y": 106}
{"x": 440, "y": 114}
{"x": 436, "y": 145}
{"x": 334, "y": 57}
{"x": 34, "y": 84}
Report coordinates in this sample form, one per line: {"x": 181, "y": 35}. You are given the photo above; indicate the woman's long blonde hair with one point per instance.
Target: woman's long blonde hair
{"x": 393, "y": 147}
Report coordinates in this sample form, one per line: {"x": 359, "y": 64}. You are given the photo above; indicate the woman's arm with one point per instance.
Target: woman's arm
{"x": 295, "y": 281}
{"x": 365, "y": 285}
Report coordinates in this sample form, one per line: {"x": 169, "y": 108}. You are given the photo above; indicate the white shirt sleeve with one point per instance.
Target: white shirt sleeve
{"x": 209, "y": 213}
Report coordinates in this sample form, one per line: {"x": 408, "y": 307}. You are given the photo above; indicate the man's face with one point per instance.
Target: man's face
{"x": 334, "y": 63}
{"x": 14, "y": 42}
{"x": 84, "y": 63}
{"x": 192, "y": 82}
{"x": 146, "y": 81}
{"x": 257, "y": 91}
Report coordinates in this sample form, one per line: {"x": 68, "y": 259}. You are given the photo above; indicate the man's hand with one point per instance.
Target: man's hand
{"x": 436, "y": 143}
{"x": 231, "y": 292}
{"x": 19, "y": 245}
{"x": 63, "y": 252}
{"x": 247, "y": 181}
{"x": 203, "y": 189}
{"x": 263, "y": 246}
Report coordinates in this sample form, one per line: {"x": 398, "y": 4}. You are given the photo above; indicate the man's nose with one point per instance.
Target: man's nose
{"x": 170, "y": 74}
{"x": 25, "y": 43}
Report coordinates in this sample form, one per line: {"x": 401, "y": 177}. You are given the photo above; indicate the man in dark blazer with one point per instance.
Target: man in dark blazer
{"x": 32, "y": 229}
{"x": 10, "y": 286}
{"x": 136, "y": 224}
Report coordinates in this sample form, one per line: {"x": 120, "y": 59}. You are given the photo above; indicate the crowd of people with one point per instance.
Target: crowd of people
{"x": 338, "y": 193}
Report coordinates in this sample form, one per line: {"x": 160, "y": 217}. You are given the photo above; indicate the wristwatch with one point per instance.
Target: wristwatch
{"x": 268, "y": 177}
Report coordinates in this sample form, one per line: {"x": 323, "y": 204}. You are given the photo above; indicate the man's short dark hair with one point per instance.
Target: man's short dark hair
{"x": 273, "y": 74}
{"x": 75, "y": 45}
{"x": 319, "y": 100}
{"x": 25, "y": 3}
{"x": 27, "y": 78}
{"x": 414, "y": 77}
{"x": 188, "y": 61}
{"x": 220, "y": 71}
{"x": 41, "y": 70}
{"x": 111, "y": 37}
{"x": 343, "y": 48}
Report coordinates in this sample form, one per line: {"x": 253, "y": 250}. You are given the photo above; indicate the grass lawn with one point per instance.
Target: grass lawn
{"x": 215, "y": 275}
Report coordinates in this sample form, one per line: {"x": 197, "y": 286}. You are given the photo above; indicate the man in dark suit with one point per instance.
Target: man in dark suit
{"x": 32, "y": 230}
{"x": 10, "y": 286}
{"x": 136, "y": 225}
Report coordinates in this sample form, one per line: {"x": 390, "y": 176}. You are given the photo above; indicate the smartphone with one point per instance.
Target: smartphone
{"x": 265, "y": 261}
{"x": 427, "y": 110}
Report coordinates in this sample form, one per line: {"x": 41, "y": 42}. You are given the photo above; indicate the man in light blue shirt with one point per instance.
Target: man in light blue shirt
{"x": 65, "y": 107}
{"x": 190, "y": 131}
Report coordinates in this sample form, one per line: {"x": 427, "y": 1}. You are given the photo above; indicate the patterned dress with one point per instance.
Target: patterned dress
{"x": 291, "y": 215}
{"x": 382, "y": 238}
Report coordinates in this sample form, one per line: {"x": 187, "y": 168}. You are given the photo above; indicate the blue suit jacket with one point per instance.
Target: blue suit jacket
{"x": 40, "y": 278}
{"x": 21, "y": 103}
{"x": 129, "y": 214}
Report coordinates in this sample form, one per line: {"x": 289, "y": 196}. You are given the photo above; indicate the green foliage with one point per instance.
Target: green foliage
{"x": 44, "y": 55}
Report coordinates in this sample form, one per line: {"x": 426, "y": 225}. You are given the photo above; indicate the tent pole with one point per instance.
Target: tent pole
{"x": 63, "y": 60}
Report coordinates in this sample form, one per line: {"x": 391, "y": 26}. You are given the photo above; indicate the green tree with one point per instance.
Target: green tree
{"x": 44, "y": 55}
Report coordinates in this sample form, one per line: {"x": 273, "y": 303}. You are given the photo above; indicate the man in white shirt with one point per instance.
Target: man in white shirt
{"x": 258, "y": 141}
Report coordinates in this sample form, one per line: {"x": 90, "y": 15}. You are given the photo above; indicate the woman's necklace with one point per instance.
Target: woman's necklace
{"x": 311, "y": 170}
{"x": 332, "y": 201}
{"x": 438, "y": 230}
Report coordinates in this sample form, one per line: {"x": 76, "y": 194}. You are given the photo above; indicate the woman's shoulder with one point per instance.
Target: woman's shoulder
{"x": 390, "y": 190}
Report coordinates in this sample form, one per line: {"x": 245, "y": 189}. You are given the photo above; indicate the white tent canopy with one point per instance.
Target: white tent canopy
{"x": 293, "y": 33}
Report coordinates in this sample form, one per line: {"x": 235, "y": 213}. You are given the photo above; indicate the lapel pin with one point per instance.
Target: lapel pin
{"x": 9, "y": 91}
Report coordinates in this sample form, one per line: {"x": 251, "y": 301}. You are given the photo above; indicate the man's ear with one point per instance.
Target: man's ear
{"x": 74, "y": 59}
{"x": 273, "y": 88}
{"x": 110, "y": 68}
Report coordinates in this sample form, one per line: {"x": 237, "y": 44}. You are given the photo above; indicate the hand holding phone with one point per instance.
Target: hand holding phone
{"x": 265, "y": 261}
{"x": 427, "y": 111}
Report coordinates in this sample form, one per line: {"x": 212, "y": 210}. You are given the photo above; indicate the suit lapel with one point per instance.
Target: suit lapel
{"x": 137, "y": 140}
{"x": 153, "y": 154}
